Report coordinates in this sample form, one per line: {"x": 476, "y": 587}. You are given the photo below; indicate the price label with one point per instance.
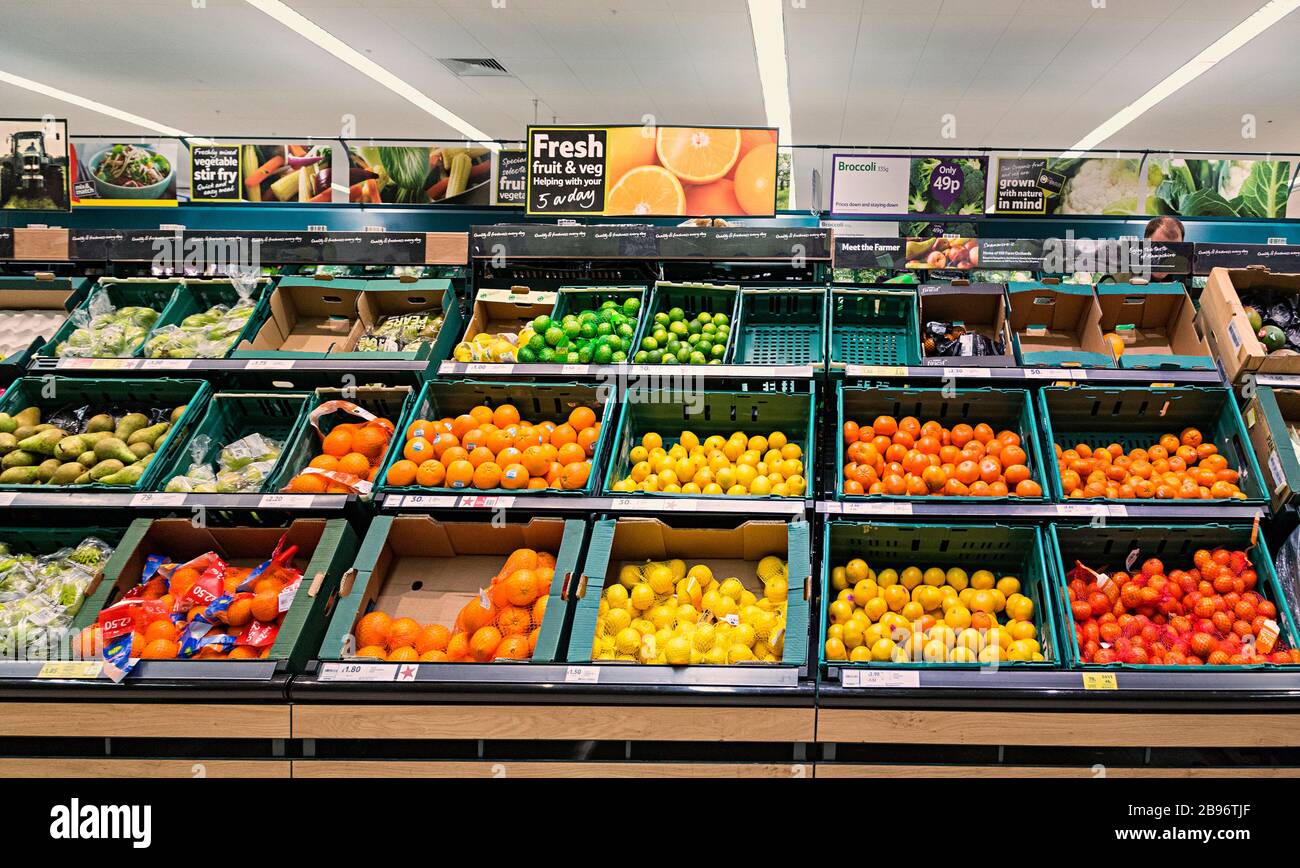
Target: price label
{"x": 485, "y": 368}
{"x": 157, "y": 498}
{"x": 286, "y": 501}
{"x": 358, "y": 672}
{"x": 486, "y": 502}
{"x": 954, "y": 373}
{"x": 164, "y": 364}
{"x": 71, "y": 669}
{"x": 7, "y": 498}
{"x": 426, "y": 501}
{"x": 1076, "y": 509}
{"x": 581, "y": 674}
{"x": 875, "y": 370}
{"x": 1117, "y": 511}
{"x": 268, "y": 365}
{"x": 579, "y": 370}
{"x": 114, "y": 364}
{"x": 868, "y": 678}
{"x": 882, "y": 508}
{"x": 1100, "y": 681}
{"x": 625, "y": 502}
{"x": 75, "y": 364}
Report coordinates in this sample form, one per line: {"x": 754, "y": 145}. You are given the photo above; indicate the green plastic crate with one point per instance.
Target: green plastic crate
{"x": 781, "y": 326}
{"x": 1000, "y": 548}
{"x": 230, "y": 416}
{"x": 455, "y": 560}
{"x": 1009, "y": 409}
{"x": 1108, "y": 547}
{"x": 694, "y": 299}
{"x": 118, "y": 396}
{"x": 332, "y": 544}
{"x": 706, "y": 413}
{"x": 1136, "y": 417}
{"x": 599, "y": 569}
{"x": 535, "y": 402}
{"x": 387, "y": 402}
{"x": 130, "y": 292}
{"x": 576, "y": 299}
{"x": 196, "y": 296}
{"x": 873, "y": 326}
{"x": 73, "y": 289}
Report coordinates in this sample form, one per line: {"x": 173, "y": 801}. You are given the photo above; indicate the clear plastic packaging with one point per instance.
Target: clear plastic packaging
{"x": 106, "y": 332}
{"x": 396, "y": 334}
{"x": 39, "y": 596}
{"x": 1288, "y": 572}
{"x": 242, "y": 466}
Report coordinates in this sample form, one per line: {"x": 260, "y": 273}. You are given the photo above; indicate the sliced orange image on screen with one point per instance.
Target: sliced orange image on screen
{"x": 626, "y": 148}
{"x": 698, "y": 155}
{"x": 713, "y": 200}
{"x": 756, "y": 180}
{"x": 646, "y": 190}
{"x": 750, "y": 139}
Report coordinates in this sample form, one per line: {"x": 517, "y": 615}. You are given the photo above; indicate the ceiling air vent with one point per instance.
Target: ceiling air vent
{"x": 471, "y": 66}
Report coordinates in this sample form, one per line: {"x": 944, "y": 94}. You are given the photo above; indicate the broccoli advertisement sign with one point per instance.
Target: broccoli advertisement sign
{"x": 923, "y": 186}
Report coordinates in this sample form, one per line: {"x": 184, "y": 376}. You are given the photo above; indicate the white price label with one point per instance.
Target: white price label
{"x": 358, "y": 672}
{"x": 1088, "y": 509}
{"x": 286, "y": 501}
{"x": 486, "y": 502}
{"x": 580, "y": 370}
{"x": 1117, "y": 511}
{"x": 582, "y": 674}
{"x": 426, "y": 501}
{"x": 268, "y": 365}
{"x": 875, "y": 370}
{"x": 159, "y": 498}
{"x": 882, "y": 508}
{"x": 164, "y": 364}
{"x": 75, "y": 364}
{"x": 486, "y": 368}
{"x": 954, "y": 373}
{"x": 7, "y": 498}
{"x": 880, "y": 678}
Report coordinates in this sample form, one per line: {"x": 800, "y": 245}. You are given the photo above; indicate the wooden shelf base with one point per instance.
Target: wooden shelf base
{"x": 65, "y": 767}
{"x": 143, "y": 720}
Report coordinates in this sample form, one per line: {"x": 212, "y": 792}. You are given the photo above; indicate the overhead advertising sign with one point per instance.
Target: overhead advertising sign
{"x": 1257, "y": 189}
{"x": 922, "y": 186}
{"x": 260, "y": 173}
{"x": 640, "y": 171}
{"x": 34, "y": 164}
{"x": 511, "y": 186}
{"x": 419, "y": 175}
{"x": 124, "y": 174}
{"x": 1040, "y": 186}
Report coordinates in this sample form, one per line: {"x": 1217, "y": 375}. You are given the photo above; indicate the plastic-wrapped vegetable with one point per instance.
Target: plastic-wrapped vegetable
{"x": 395, "y": 334}
{"x": 39, "y": 596}
{"x": 242, "y": 466}
{"x": 105, "y": 332}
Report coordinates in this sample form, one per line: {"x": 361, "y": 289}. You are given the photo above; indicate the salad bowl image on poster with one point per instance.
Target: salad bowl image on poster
{"x": 33, "y": 165}
{"x": 419, "y": 175}
{"x": 121, "y": 173}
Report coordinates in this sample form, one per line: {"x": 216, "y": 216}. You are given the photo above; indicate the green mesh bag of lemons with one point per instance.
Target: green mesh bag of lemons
{"x": 590, "y": 337}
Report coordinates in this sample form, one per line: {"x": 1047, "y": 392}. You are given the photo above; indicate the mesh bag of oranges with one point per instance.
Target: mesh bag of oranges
{"x": 351, "y": 452}
{"x": 490, "y": 449}
{"x": 662, "y": 612}
{"x": 906, "y": 457}
{"x": 203, "y": 608}
{"x": 501, "y": 622}
{"x": 1177, "y": 467}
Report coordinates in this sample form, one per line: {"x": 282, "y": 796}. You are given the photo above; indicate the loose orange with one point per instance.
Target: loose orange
{"x": 506, "y": 414}
{"x": 403, "y": 473}
{"x": 535, "y": 461}
{"x": 582, "y": 417}
{"x": 514, "y": 476}
{"x": 481, "y": 456}
{"x": 571, "y": 452}
{"x": 487, "y": 475}
{"x": 575, "y": 475}
{"x": 431, "y": 473}
{"x": 460, "y": 474}
{"x": 562, "y": 435}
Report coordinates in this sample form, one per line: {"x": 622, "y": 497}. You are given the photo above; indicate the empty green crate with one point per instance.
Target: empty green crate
{"x": 873, "y": 327}
{"x": 116, "y": 396}
{"x": 536, "y": 403}
{"x": 385, "y": 402}
{"x": 781, "y": 326}
{"x": 1136, "y": 416}
{"x": 231, "y": 416}
{"x": 1001, "y": 409}
{"x": 694, "y": 299}
{"x": 1108, "y": 548}
{"x": 1001, "y": 549}
{"x": 706, "y": 413}
{"x": 132, "y": 292}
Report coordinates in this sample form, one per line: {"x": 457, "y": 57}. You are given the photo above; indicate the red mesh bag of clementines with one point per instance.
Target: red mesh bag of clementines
{"x": 502, "y": 622}
{"x": 351, "y": 452}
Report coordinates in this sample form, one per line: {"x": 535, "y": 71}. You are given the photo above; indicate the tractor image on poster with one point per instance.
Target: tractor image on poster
{"x": 30, "y": 178}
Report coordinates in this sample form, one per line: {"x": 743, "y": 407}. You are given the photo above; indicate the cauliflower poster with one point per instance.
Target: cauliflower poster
{"x": 1077, "y": 185}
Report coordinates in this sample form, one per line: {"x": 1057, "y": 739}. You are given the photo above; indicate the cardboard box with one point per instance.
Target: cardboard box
{"x": 413, "y": 566}
{"x": 1057, "y": 325}
{"x": 388, "y": 298}
{"x": 308, "y": 318}
{"x": 727, "y": 552}
{"x": 980, "y": 308}
{"x": 1272, "y": 418}
{"x": 1223, "y": 318}
{"x": 325, "y": 549}
{"x": 1157, "y": 323}
{"x": 507, "y": 311}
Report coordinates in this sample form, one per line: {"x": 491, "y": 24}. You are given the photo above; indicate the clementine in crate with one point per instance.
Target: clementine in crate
{"x": 1175, "y": 467}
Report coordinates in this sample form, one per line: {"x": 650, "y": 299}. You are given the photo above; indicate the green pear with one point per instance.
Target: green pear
{"x": 7, "y": 423}
{"x": 67, "y": 473}
{"x": 106, "y": 468}
{"x": 149, "y": 435}
{"x": 129, "y": 476}
{"x": 45, "y": 442}
{"x": 22, "y": 432}
{"x": 47, "y": 469}
{"x": 20, "y": 476}
{"x": 30, "y": 416}
{"x": 70, "y": 447}
{"x": 114, "y": 448}
{"x": 178, "y": 413}
{"x": 8, "y": 443}
{"x": 140, "y": 450}
{"x": 129, "y": 424}
{"x": 82, "y": 479}
{"x": 19, "y": 458}
{"x": 102, "y": 422}
{"x": 87, "y": 459}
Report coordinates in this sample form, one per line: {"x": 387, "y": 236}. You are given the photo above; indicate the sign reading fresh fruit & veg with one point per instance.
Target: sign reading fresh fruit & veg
{"x": 642, "y": 171}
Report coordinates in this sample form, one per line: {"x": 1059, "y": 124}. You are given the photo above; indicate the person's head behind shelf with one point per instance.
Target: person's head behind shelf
{"x": 1164, "y": 229}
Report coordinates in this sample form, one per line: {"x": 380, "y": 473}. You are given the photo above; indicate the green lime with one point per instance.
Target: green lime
{"x": 542, "y": 323}
{"x": 709, "y": 329}
{"x": 572, "y": 358}
{"x": 619, "y": 357}
{"x": 668, "y": 359}
{"x": 693, "y": 339}
{"x": 631, "y": 305}
{"x": 673, "y": 348}
{"x": 608, "y": 303}
{"x": 572, "y": 330}
{"x": 546, "y": 356}
{"x": 662, "y": 318}
{"x": 584, "y": 355}
{"x": 715, "y": 361}
{"x": 697, "y": 358}
{"x": 676, "y": 314}
{"x": 554, "y": 335}
{"x": 604, "y": 329}
{"x": 678, "y": 328}
{"x": 704, "y": 317}
{"x": 718, "y": 351}
{"x": 527, "y": 356}
{"x": 536, "y": 342}
{"x": 720, "y": 319}
{"x": 604, "y": 355}
{"x": 705, "y": 345}
{"x": 694, "y": 327}
{"x": 587, "y": 330}
{"x": 648, "y": 344}
{"x": 641, "y": 357}
{"x": 625, "y": 330}
{"x": 655, "y": 357}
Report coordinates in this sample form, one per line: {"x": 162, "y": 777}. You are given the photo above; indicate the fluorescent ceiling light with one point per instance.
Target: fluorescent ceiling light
{"x": 73, "y": 99}
{"x": 358, "y": 61}
{"x": 767, "y": 18}
{"x": 1262, "y": 19}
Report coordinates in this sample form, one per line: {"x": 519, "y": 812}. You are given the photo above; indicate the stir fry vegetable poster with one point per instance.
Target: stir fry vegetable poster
{"x": 120, "y": 173}
{"x": 260, "y": 173}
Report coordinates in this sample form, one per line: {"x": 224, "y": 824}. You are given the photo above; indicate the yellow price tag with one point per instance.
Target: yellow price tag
{"x": 1099, "y": 681}
{"x": 71, "y": 669}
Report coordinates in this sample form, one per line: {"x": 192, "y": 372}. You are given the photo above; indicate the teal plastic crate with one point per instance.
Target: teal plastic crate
{"x": 446, "y": 565}
{"x": 1136, "y": 417}
{"x": 873, "y": 326}
{"x": 385, "y": 402}
{"x": 781, "y": 326}
{"x": 196, "y": 296}
{"x": 1108, "y": 548}
{"x": 737, "y": 550}
{"x": 536, "y": 403}
{"x": 707, "y": 413}
{"x": 118, "y": 396}
{"x": 694, "y": 299}
{"x": 129, "y": 292}
{"x": 1001, "y": 409}
{"x": 999, "y": 548}
{"x": 230, "y": 416}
